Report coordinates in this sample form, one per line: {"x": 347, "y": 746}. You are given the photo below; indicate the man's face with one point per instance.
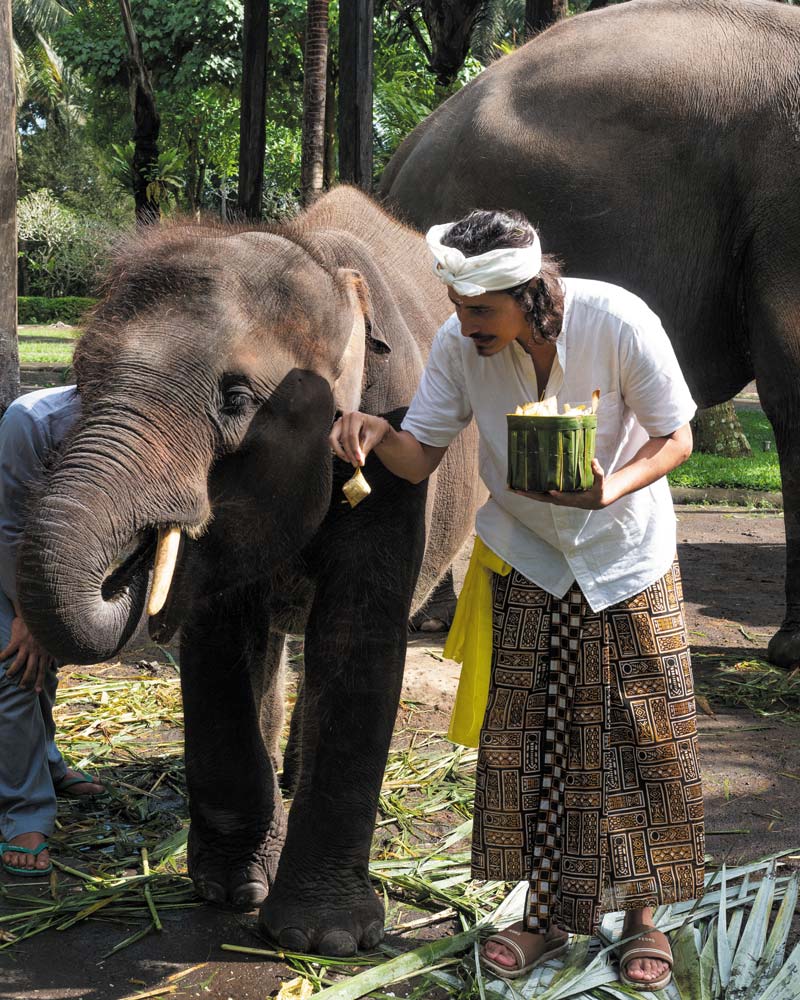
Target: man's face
{"x": 491, "y": 321}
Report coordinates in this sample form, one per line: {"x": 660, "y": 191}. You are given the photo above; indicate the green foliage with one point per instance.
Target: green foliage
{"x": 761, "y": 471}
{"x": 186, "y": 44}
{"x": 61, "y": 251}
{"x": 163, "y": 176}
{"x": 64, "y": 309}
{"x": 405, "y": 90}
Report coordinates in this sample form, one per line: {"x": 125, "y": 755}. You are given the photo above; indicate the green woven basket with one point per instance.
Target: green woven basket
{"x": 551, "y": 453}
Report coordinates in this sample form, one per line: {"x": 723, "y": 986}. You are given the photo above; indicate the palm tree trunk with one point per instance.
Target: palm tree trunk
{"x": 355, "y": 92}
{"x": 315, "y": 64}
{"x": 252, "y": 128}
{"x": 9, "y": 358}
{"x": 717, "y": 431}
{"x": 330, "y": 122}
{"x": 540, "y": 14}
{"x": 146, "y": 122}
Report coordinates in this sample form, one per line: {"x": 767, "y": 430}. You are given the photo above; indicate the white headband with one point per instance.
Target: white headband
{"x": 493, "y": 271}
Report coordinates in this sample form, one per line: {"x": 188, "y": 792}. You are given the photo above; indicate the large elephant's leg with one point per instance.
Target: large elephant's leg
{"x": 773, "y": 314}
{"x": 237, "y": 816}
{"x": 322, "y": 900}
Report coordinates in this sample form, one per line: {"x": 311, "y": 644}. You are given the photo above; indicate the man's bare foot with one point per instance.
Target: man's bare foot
{"x": 17, "y": 859}
{"x": 72, "y": 788}
{"x": 643, "y": 970}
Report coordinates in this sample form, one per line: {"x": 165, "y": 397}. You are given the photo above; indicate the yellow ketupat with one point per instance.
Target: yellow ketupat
{"x": 356, "y": 488}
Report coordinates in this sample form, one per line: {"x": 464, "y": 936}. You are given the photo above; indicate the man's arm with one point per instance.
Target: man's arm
{"x": 355, "y": 435}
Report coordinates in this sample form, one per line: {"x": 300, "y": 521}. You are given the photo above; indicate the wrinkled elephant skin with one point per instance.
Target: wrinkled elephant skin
{"x": 210, "y": 374}
{"x": 655, "y": 144}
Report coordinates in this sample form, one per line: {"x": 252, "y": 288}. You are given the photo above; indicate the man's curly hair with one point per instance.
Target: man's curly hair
{"x": 541, "y": 298}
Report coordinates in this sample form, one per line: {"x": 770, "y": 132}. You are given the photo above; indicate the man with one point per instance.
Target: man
{"x": 587, "y": 778}
{"x": 32, "y": 770}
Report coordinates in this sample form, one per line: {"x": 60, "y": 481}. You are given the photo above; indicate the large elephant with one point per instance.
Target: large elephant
{"x": 209, "y": 376}
{"x": 656, "y": 143}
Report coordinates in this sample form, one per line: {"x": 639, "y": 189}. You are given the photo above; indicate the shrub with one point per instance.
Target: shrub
{"x": 60, "y": 250}
{"x": 39, "y": 309}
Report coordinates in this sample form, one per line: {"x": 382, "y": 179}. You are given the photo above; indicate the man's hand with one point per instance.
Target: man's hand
{"x": 31, "y": 658}
{"x": 355, "y": 434}
{"x": 596, "y": 498}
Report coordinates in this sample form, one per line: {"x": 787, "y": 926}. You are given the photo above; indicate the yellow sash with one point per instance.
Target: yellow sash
{"x": 470, "y": 643}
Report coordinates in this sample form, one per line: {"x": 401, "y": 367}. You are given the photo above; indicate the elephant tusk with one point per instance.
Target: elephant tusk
{"x": 166, "y": 556}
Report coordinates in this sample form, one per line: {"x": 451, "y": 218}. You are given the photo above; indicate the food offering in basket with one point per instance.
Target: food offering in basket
{"x": 548, "y": 450}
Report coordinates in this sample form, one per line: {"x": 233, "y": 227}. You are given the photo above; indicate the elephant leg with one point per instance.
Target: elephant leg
{"x": 322, "y": 900}
{"x": 237, "y": 817}
{"x": 437, "y": 612}
{"x": 268, "y": 680}
{"x": 773, "y": 314}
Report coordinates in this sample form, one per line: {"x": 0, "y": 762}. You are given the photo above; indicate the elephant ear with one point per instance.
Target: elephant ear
{"x": 348, "y": 366}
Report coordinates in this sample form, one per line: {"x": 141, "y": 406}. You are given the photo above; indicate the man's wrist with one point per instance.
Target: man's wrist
{"x": 388, "y": 433}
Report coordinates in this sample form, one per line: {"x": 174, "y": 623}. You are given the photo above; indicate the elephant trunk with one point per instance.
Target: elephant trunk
{"x": 83, "y": 567}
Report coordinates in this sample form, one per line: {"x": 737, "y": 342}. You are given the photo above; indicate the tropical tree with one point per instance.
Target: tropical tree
{"x": 252, "y": 136}
{"x": 192, "y": 51}
{"x": 9, "y": 358}
{"x": 315, "y": 86}
{"x": 146, "y": 125}
{"x": 356, "y": 50}
{"x": 36, "y": 64}
{"x": 540, "y": 14}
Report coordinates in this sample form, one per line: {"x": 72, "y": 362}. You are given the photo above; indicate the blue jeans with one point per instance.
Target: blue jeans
{"x": 30, "y": 763}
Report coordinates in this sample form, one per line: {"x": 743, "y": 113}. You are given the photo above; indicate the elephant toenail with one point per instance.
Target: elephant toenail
{"x": 249, "y": 895}
{"x": 338, "y": 944}
{"x": 293, "y": 939}
{"x": 372, "y": 935}
{"x": 211, "y": 891}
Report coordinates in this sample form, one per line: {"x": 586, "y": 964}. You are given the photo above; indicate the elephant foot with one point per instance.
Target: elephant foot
{"x": 228, "y": 873}
{"x": 303, "y": 921}
{"x": 784, "y": 646}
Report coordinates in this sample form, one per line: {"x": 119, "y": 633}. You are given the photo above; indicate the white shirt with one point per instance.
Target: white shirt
{"x": 610, "y": 341}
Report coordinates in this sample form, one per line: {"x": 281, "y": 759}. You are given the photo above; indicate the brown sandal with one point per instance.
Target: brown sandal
{"x": 527, "y": 947}
{"x": 650, "y": 944}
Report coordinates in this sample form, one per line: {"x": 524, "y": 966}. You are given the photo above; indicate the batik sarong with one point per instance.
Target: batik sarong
{"x": 588, "y": 781}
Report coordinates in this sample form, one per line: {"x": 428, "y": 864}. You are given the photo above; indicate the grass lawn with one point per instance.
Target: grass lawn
{"x": 759, "y": 472}
{"x": 48, "y": 345}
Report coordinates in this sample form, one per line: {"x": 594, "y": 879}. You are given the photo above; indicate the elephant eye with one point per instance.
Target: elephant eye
{"x": 237, "y": 396}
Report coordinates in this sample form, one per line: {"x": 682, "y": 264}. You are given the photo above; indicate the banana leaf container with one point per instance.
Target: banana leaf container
{"x": 551, "y": 453}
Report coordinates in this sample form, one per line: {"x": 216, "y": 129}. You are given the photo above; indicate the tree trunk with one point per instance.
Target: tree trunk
{"x": 717, "y": 431}
{"x": 146, "y": 123}
{"x": 355, "y": 92}
{"x": 540, "y": 14}
{"x": 329, "y": 178}
{"x": 315, "y": 66}
{"x": 253, "y": 123}
{"x": 9, "y": 357}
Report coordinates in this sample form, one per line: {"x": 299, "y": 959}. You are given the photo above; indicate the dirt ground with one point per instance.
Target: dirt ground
{"x": 732, "y": 563}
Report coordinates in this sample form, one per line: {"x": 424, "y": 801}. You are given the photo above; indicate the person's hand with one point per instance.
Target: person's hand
{"x": 355, "y": 434}
{"x": 32, "y": 659}
{"x": 593, "y": 499}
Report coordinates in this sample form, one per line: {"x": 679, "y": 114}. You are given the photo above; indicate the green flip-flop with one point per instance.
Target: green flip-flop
{"x": 63, "y": 786}
{"x": 17, "y": 849}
